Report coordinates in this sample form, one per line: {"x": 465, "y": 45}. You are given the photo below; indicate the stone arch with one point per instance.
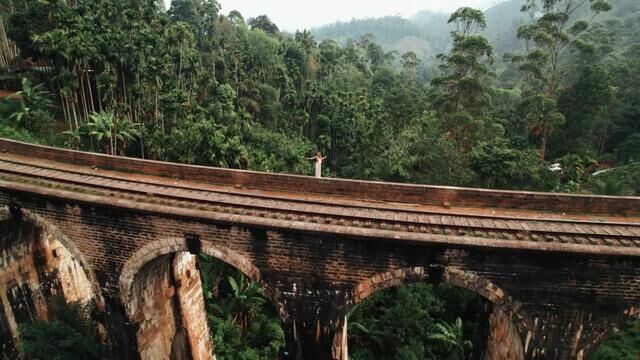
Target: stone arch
{"x": 439, "y": 274}
{"x": 165, "y": 300}
{"x": 167, "y": 246}
{"x": 52, "y": 230}
{"x": 21, "y": 214}
{"x": 40, "y": 262}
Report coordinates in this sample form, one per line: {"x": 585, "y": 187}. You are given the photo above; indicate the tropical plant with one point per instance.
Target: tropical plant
{"x": 69, "y": 334}
{"x": 242, "y": 324}
{"x": 112, "y": 134}
{"x": 34, "y": 112}
{"x": 451, "y": 335}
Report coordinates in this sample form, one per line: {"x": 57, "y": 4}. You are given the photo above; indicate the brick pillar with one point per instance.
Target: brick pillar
{"x": 315, "y": 321}
{"x": 503, "y": 342}
{"x": 191, "y": 303}
{"x": 340, "y": 346}
{"x": 168, "y": 308}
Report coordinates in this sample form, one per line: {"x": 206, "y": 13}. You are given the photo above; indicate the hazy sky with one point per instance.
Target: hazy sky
{"x": 291, "y": 15}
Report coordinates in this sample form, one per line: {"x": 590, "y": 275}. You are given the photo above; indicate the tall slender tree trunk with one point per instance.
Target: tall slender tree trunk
{"x": 83, "y": 97}
{"x": 99, "y": 97}
{"x": 155, "y": 113}
{"x": 74, "y": 102}
{"x": 543, "y": 147}
{"x": 92, "y": 102}
{"x": 8, "y": 50}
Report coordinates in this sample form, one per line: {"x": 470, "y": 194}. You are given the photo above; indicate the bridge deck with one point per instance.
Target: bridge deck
{"x": 615, "y": 233}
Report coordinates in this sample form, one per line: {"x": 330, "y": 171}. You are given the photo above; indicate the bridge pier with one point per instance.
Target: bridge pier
{"x": 309, "y": 340}
{"x": 572, "y": 334}
{"x": 311, "y": 330}
{"x": 564, "y": 268}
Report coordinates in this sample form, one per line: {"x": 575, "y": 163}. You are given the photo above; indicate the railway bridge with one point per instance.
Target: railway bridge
{"x": 560, "y": 272}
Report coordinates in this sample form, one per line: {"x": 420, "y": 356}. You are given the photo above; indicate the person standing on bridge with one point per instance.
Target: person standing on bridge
{"x": 318, "y": 158}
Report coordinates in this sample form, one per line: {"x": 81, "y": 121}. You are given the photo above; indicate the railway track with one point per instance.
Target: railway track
{"x": 332, "y": 212}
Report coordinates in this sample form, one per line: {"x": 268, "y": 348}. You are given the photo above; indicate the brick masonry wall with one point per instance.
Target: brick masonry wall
{"x": 152, "y": 309}
{"x": 191, "y": 303}
{"x": 561, "y": 304}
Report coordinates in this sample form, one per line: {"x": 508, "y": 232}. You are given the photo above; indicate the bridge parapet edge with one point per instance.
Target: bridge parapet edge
{"x": 366, "y": 190}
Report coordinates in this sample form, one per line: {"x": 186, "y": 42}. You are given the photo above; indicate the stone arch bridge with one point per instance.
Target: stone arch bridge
{"x": 562, "y": 272}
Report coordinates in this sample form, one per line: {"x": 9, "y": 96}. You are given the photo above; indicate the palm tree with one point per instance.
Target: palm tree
{"x": 451, "y": 336}
{"x": 113, "y": 131}
{"x": 248, "y": 296}
{"x": 74, "y": 137}
{"x": 101, "y": 126}
{"x": 124, "y": 132}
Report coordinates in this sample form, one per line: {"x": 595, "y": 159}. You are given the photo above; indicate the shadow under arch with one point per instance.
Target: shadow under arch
{"x": 20, "y": 214}
{"x": 167, "y": 246}
{"x": 450, "y": 275}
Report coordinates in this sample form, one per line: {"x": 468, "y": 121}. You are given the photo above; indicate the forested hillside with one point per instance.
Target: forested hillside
{"x": 196, "y": 86}
{"x": 427, "y": 33}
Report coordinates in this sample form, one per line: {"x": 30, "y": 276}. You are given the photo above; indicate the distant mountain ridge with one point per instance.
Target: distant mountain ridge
{"x": 428, "y": 34}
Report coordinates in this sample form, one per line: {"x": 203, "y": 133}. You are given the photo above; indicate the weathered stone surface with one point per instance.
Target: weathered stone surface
{"x": 34, "y": 266}
{"x": 504, "y": 342}
{"x": 167, "y": 305}
{"x": 565, "y": 269}
{"x": 152, "y": 309}
{"x": 192, "y": 307}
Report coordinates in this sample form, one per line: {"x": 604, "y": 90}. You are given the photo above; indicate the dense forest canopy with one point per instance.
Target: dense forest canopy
{"x": 479, "y": 99}
{"x": 196, "y": 86}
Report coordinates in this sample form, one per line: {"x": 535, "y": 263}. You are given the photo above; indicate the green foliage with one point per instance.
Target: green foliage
{"x": 624, "y": 180}
{"x": 624, "y": 345}
{"x": 108, "y": 131}
{"x": 275, "y": 152}
{"x": 422, "y": 153}
{"x": 499, "y": 165}
{"x": 242, "y": 324}
{"x": 576, "y": 171}
{"x": 417, "y": 321}
{"x": 196, "y": 86}
{"x": 11, "y": 132}
{"x": 56, "y": 340}
{"x": 33, "y": 113}
{"x": 547, "y": 39}
{"x": 70, "y": 334}
{"x": 629, "y": 150}
{"x": 461, "y": 96}
{"x": 452, "y": 337}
